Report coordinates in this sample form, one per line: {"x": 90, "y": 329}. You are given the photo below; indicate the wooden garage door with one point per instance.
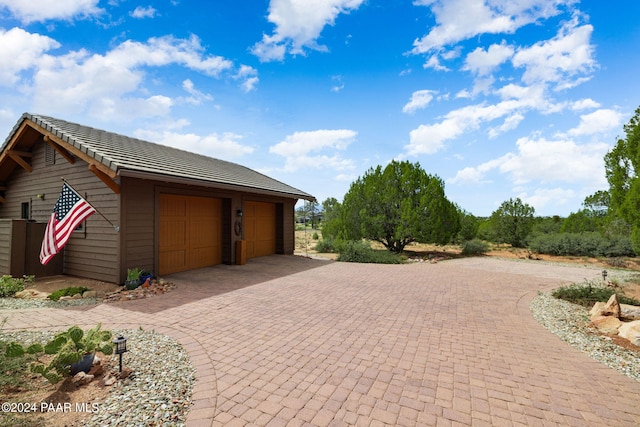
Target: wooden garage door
{"x": 260, "y": 228}
{"x": 190, "y": 232}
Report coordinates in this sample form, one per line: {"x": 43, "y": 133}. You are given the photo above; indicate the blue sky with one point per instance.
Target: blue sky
{"x": 499, "y": 98}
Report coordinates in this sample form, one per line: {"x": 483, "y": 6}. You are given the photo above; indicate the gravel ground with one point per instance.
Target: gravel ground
{"x": 570, "y": 322}
{"x": 23, "y": 304}
{"x": 159, "y": 390}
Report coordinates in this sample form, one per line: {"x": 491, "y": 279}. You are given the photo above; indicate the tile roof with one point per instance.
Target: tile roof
{"x": 124, "y": 154}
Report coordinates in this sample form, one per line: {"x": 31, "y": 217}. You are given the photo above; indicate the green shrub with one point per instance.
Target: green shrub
{"x": 587, "y": 294}
{"x": 327, "y": 245}
{"x": 10, "y": 285}
{"x": 315, "y": 235}
{"x": 67, "y": 292}
{"x": 582, "y": 244}
{"x": 475, "y": 247}
{"x": 617, "y": 262}
{"x": 359, "y": 251}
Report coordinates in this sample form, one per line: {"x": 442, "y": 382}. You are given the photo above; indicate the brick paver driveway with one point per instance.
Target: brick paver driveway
{"x": 451, "y": 343}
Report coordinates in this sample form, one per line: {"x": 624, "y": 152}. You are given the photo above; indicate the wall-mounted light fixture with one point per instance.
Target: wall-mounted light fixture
{"x": 239, "y": 213}
{"x": 40, "y": 196}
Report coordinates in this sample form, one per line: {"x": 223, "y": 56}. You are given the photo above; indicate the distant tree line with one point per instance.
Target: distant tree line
{"x": 401, "y": 204}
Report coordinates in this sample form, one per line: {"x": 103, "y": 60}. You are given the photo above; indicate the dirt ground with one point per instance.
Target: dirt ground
{"x": 60, "y": 405}
{"x": 305, "y": 246}
{"x": 53, "y": 283}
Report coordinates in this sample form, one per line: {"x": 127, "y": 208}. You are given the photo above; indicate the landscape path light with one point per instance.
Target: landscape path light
{"x": 604, "y": 276}
{"x": 120, "y": 344}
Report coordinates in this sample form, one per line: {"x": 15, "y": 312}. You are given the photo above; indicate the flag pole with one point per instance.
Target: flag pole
{"x": 115, "y": 227}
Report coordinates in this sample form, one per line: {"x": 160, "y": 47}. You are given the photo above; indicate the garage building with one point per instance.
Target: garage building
{"x": 161, "y": 209}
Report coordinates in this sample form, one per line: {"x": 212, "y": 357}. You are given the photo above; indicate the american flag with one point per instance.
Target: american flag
{"x": 69, "y": 212}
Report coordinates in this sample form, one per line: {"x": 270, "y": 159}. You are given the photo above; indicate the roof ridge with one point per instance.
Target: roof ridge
{"x": 144, "y": 141}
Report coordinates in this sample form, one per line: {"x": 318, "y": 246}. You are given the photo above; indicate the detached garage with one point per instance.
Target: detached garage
{"x": 161, "y": 209}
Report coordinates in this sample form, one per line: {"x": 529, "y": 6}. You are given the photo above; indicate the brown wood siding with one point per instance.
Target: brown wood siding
{"x": 288, "y": 226}
{"x": 5, "y": 246}
{"x": 190, "y": 232}
{"x": 138, "y": 228}
{"x": 92, "y": 253}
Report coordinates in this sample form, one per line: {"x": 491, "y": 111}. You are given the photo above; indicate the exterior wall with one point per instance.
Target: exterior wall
{"x": 138, "y": 226}
{"x": 5, "y": 248}
{"x": 140, "y": 199}
{"x": 289, "y": 226}
{"x": 140, "y": 219}
{"x": 101, "y": 252}
{"x": 92, "y": 252}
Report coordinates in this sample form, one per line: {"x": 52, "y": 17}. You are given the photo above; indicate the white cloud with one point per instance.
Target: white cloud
{"x": 483, "y": 62}
{"x": 509, "y": 123}
{"x": 196, "y": 97}
{"x": 549, "y": 161}
{"x": 111, "y": 86}
{"x": 143, "y": 12}
{"x": 7, "y": 118}
{"x": 20, "y": 51}
{"x": 226, "y": 146}
{"x": 543, "y": 197}
{"x": 249, "y": 84}
{"x": 160, "y": 51}
{"x": 338, "y": 84}
{"x": 434, "y": 62}
{"x": 458, "y": 20}
{"x": 475, "y": 175}
{"x": 560, "y": 59}
{"x": 429, "y": 139}
{"x": 419, "y": 99}
{"x": 298, "y": 26}
{"x": 597, "y": 122}
{"x": 298, "y": 147}
{"x": 545, "y": 161}
{"x": 585, "y": 104}
{"x": 28, "y": 11}
{"x": 249, "y": 78}
{"x": 480, "y": 85}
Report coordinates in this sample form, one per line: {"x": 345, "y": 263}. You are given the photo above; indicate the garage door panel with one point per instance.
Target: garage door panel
{"x": 202, "y": 257}
{"x": 190, "y": 232}
{"x": 172, "y": 206}
{"x": 175, "y": 259}
{"x": 174, "y": 233}
{"x": 204, "y": 233}
{"x": 260, "y": 229}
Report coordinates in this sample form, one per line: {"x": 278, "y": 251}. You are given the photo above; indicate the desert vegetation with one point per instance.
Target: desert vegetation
{"x": 401, "y": 204}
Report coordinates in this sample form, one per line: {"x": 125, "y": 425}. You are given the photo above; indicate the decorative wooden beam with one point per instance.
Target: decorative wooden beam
{"x": 22, "y": 153}
{"x": 15, "y": 156}
{"x": 60, "y": 149}
{"x": 114, "y": 186}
